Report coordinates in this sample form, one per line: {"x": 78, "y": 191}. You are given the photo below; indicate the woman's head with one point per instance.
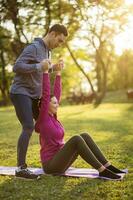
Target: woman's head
{"x": 53, "y": 105}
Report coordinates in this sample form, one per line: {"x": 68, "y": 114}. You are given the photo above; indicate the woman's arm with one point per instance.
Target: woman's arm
{"x": 57, "y": 86}
{"x": 45, "y": 96}
{"x": 43, "y": 114}
{"x": 57, "y": 82}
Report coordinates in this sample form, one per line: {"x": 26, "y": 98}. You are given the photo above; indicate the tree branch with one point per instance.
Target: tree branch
{"x": 81, "y": 69}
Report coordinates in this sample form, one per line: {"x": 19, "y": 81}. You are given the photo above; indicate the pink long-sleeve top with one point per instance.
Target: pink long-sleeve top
{"x": 50, "y": 129}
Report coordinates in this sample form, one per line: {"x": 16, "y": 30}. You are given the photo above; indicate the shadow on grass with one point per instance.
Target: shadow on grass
{"x": 101, "y": 190}
{"x": 62, "y": 188}
{"x": 117, "y": 143}
{"x": 49, "y": 187}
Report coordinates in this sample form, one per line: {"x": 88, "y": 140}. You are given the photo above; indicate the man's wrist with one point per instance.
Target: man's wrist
{"x": 39, "y": 67}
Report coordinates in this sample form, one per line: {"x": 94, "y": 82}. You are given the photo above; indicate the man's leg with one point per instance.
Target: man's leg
{"x": 23, "y": 108}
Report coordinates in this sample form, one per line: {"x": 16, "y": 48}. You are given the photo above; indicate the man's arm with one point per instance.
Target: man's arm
{"x": 27, "y": 62}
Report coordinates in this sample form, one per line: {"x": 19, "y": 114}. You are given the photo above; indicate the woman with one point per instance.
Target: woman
{"x": 56, "y": 156}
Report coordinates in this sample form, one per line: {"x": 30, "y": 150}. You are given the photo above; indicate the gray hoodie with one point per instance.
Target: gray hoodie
{"x": 28, "y": 76}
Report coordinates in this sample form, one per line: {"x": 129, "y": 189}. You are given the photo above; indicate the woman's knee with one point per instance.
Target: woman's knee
{"x": 85, "y": 135}
{"x": 76, "y": 139}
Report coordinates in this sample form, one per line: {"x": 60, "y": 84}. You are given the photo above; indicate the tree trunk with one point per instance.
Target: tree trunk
{"x": 4, "y": 83}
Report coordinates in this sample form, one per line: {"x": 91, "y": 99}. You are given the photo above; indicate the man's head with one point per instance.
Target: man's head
{"x": 56, "y": 35}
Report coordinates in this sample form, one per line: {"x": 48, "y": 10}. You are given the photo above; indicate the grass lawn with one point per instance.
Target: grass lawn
{"x": 111, "y": 126}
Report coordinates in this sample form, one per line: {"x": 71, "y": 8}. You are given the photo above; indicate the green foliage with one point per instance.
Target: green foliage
{"x": 125, "y": 69}
{"x": 111, "y": 127}
{"x": 5, "y": 44}
{"x": 6, "y": 58}
{"x": 92, "y": 26}
{"x": 121, "y": 75}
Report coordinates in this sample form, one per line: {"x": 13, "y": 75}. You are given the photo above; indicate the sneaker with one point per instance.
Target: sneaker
{"x": 109, "y": 175}
{"x": 115, "y": 170}
{"x": 24, "y": 173}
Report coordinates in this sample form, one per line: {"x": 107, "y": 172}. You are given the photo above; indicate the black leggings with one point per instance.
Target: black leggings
{"x": 26, "y": 109}
{"x": 82, "y": 145}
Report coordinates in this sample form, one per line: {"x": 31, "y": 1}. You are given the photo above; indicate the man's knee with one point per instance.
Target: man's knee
{"x": 28, "y": 128}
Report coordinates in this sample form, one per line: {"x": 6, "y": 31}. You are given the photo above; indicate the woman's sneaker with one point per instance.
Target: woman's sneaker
{"x": 115, "y": 170}
{"x": 109, "y": 175}
{"x": 24, "y": 173}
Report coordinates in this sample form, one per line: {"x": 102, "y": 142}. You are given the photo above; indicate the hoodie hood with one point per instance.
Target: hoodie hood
{"x": 40, "y": 40}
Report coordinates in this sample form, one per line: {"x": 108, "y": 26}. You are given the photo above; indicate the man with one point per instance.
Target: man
{"x": 26, "y": 88}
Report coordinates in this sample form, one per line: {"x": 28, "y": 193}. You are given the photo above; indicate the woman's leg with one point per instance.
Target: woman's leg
{"x": 94, "y": 148}
{"x": 64, "y": 158}
{"x": 97, "y": 152}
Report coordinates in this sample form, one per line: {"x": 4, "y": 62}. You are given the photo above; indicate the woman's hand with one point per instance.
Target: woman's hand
{"x": 45, "y": 65}
{"x": 59, "y": 66}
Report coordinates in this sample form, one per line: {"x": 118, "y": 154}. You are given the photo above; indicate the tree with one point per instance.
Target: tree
{"x": 100, "y": 23}
{"x": 125, "y": 70}
{"x": 91, "y": 22}
{"x": 5, "y": 59}
{"x": 21, "y": 21}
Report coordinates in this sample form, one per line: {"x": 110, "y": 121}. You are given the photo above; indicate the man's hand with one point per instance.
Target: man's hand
{"x": 45, "y": 65}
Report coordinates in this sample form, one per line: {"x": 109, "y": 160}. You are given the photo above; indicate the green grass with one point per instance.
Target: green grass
{"x": 111, "y": 126}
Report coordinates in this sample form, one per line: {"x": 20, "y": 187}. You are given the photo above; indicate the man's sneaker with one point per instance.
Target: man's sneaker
{"x": 24, "y": 173}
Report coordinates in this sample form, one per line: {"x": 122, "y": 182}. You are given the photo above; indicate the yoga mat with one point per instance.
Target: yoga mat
{"x": 71, "y": 172}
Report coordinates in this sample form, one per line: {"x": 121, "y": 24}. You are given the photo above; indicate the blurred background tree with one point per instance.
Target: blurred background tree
{"x": 91, "y": 65}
